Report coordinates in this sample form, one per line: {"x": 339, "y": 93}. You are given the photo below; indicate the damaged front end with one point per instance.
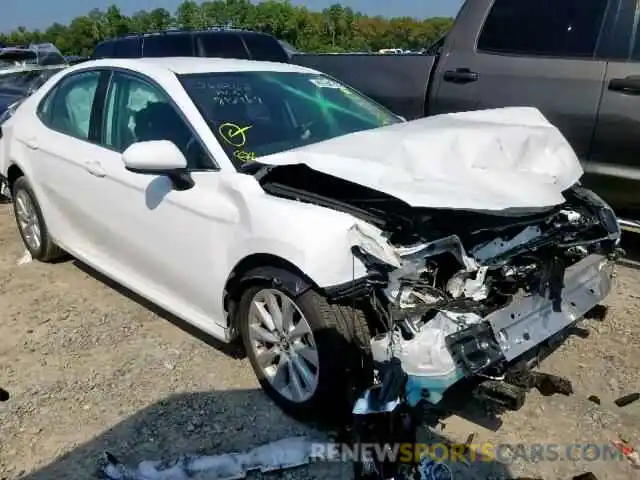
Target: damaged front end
{"x": 461, "y": 294}
{"x": 460, "y": 307}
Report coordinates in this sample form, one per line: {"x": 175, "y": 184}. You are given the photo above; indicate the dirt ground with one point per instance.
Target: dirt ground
{"x": 91, "y": 368}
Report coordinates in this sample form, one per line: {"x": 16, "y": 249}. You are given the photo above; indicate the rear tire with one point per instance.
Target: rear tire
{"x": 31, "y": 224}
{"x": 341, "y": 337}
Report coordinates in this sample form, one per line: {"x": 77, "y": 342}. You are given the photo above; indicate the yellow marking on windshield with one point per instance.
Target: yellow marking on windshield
{"x": 244, "y": 157}
{"x": 233, "y": 134}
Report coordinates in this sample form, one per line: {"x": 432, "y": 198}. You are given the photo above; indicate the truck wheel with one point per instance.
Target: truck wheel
{"x": 31, "y": 224}
{"x": 306, "y": 353}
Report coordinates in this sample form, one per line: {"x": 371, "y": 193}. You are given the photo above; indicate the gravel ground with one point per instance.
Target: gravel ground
{"x": 91, "y": 368}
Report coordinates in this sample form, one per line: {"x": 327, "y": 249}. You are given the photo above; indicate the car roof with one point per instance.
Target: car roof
{"x": 192, "y": 65}
{"x": 188, "y": 31}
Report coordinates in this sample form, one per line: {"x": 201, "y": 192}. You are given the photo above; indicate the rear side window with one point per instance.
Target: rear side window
{"x": 169, "y": 45}
{"x": 126, "y": 48}
{"x": 553, "y": 28}
{"x": 265, "y": 48}
{"x": 67, "y": 108}
{"x": 103, "y": 50}
{"x": 224, "y": 45}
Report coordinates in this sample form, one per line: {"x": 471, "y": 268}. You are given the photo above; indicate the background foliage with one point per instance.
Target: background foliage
{"x": 334, "y": 29}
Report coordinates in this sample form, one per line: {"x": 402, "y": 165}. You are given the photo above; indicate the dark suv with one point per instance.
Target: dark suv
{"x": 225, "y": 42}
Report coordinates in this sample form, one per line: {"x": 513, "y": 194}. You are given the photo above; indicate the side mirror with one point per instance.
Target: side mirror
{"x": 158, "y": 157}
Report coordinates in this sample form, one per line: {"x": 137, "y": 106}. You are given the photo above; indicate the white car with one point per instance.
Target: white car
{"x": 271, "y": 202}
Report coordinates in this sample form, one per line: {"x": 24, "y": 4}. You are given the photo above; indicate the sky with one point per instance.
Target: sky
{"x": 42, "y": 13}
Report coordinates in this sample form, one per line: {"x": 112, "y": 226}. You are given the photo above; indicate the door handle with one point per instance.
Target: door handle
{"x": 31, "y": 143}
{"x": 460, "y": 76}
{"x": 95, "y": 168}
{"x": 630, "y": 85}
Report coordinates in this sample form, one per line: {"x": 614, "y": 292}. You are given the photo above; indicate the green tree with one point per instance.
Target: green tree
{"x": 335, "y": 29}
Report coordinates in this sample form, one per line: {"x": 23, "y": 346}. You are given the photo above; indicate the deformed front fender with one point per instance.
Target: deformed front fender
{"x": 281, "y": 278}
{"x": 325, "y": 255}
{"x": 325, "y": 258}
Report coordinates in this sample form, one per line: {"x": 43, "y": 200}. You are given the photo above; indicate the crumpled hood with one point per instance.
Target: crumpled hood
{"x": 489, "y": 160}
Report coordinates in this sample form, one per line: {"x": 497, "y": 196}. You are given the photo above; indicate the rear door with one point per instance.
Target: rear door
{"x": 60, "y": 143}
{"x": 538, "y": 53}
{"x": 613, "y": 168}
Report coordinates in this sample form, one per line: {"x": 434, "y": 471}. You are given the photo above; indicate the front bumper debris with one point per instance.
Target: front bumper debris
{"x": 526, "y": 323}
{"x": 442, "y": 353}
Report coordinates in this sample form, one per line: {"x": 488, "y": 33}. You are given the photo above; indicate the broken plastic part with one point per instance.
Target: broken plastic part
{"x": 413, "y": 263}
{"x": 628, "y": 451}
{"x": 498, "y": 246}
{"x": 585, "y": 476}
{"x": 367, "y": 404}
{"x": 501, "y": 394}
{"x": 370, "y": 240}
{"x": 282, "y": 454}
{"x": 627, "y": 399}
{"x": 392, "y": 379}
{"x": 548, "y": 384}
{"x": 430, "y": 469}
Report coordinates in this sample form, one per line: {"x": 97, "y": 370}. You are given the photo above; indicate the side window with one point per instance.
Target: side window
{"x": 67, "y": 108}
{"x": 51, "y": 58}
{"x": 224, "y": 45}
{"x": 126, "y": 48}
{"x": 168, "y": 45}
{"x": 556, "y": 28}
{"x": 138, "y": 111}
{"x": 265, "y": 48}
{"x": 103, "y": 50}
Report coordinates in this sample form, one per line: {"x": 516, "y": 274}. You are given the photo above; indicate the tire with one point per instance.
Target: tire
{"x": 46, "y": 250}
{"x": 342, "y": 342}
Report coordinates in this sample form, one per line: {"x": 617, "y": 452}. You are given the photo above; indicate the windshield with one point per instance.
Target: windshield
{"x": 254, "y": 114}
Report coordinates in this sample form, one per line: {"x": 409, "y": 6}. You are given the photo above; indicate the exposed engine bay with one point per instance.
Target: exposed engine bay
{"x": 459, "y": 293}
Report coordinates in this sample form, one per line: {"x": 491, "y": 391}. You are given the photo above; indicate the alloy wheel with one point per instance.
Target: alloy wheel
{"x": 283, "y": 345}
{"x": 28, "y": 220}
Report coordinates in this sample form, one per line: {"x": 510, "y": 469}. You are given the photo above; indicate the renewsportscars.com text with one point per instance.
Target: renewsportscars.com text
{"x": 481, "y": 452}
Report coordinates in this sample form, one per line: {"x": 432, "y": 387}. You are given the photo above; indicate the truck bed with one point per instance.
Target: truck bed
{"x": 397, "y": 81}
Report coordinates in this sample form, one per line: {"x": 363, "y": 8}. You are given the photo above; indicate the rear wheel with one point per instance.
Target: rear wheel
{"x": 306, "y": 352}
{"x": 31, "y": 224}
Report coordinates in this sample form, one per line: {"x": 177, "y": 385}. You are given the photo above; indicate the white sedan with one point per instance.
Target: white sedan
{"x": 271, "y": 202}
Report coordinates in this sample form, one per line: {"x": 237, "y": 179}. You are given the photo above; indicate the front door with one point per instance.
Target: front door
{"x": 167, "y": 243}
{"x": 536, "y": 53}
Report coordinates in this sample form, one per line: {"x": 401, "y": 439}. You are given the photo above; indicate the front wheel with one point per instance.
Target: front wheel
{"x": 305, "y": 351}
